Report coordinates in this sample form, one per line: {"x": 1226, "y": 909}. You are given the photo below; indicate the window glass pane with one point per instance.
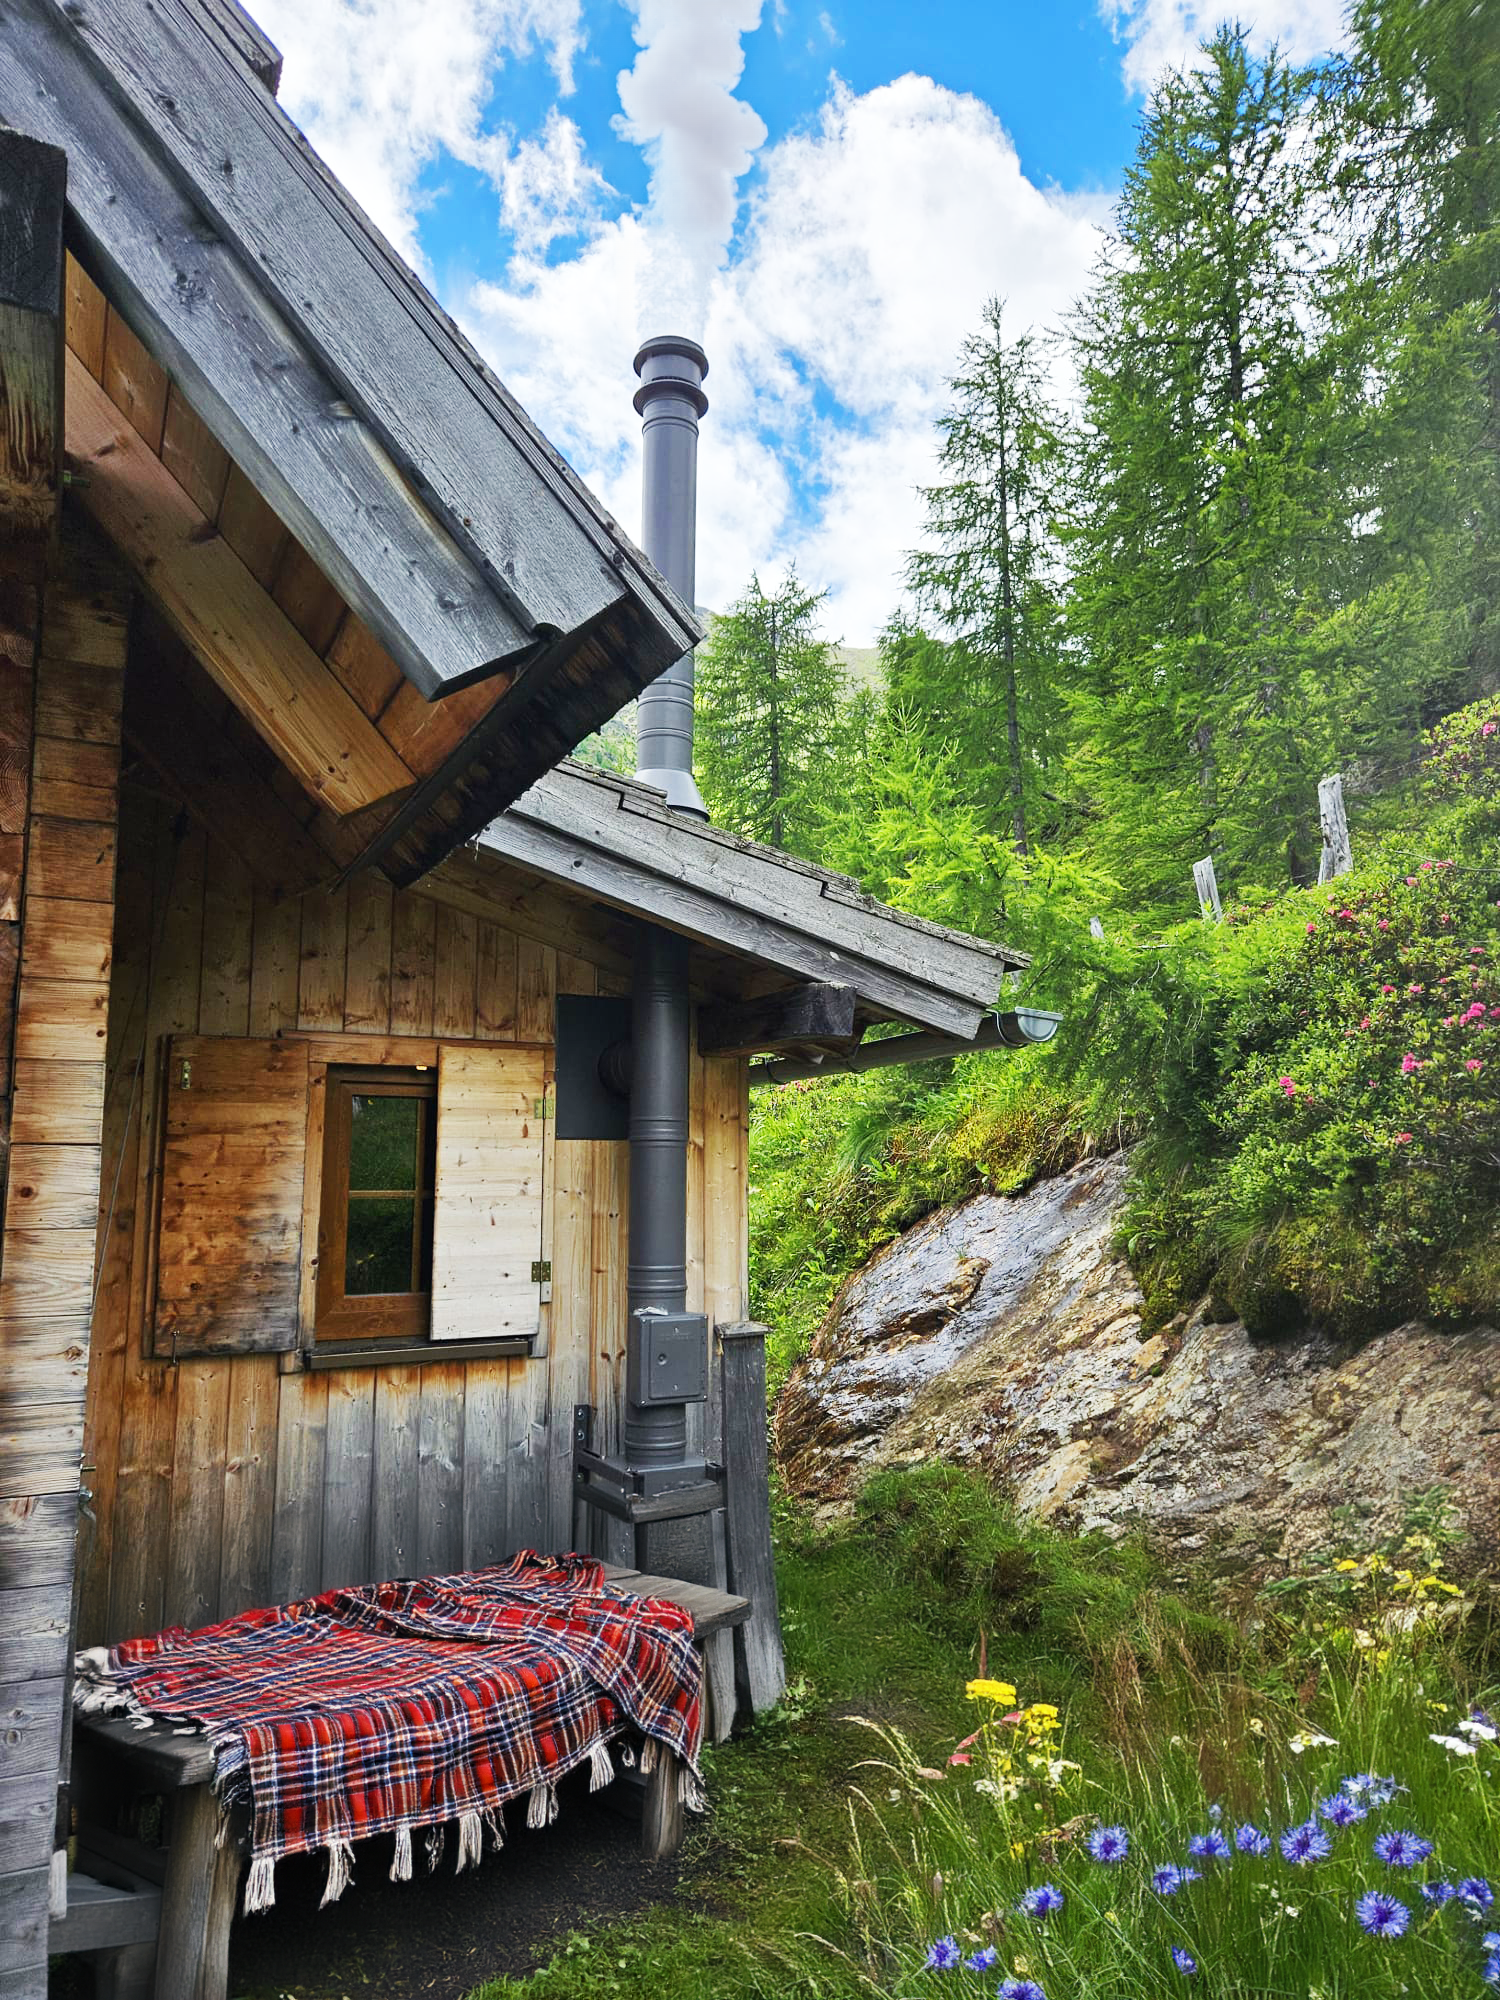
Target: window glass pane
{"x": 383, "y": 1142}
{"x": 377, "y": 1250}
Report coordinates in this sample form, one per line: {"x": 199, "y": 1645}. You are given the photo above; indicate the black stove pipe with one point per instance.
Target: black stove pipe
{"x": 670, "y": 401}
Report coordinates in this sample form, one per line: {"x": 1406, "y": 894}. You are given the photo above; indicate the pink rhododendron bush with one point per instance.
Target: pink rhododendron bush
{"x": 1352, "y": 1164}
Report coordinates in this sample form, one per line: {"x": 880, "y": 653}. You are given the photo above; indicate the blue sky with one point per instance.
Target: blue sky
{"x": 825, "y": 194}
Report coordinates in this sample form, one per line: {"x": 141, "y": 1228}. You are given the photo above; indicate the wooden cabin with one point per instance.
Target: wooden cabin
{"x": 302, "y": 1278}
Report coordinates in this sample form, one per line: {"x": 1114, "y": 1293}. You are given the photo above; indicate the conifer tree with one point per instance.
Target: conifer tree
{"x": 989, "y": 573}
{"x": 1215, "y": 509}
{"x": 1414, "y": 150}
{"x": 769, "y": 714}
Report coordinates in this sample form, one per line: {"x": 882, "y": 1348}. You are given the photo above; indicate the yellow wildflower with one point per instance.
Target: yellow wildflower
{"x": 1000, "y": 1691}
{"x": 1346, "y": 1565}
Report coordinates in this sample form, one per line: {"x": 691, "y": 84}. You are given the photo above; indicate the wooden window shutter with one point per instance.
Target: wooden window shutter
{"x": 229, "y": 1228}
{"x": 487, "y": 1233}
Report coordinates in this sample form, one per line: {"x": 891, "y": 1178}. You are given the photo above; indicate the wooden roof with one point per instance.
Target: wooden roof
{"x": 303, "y": 356}
{"x": 613, "y": 840}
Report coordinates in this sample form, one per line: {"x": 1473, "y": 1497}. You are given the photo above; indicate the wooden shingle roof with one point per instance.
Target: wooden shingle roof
{"x": 412, "y": 480}
{"x": 614, "y": 840}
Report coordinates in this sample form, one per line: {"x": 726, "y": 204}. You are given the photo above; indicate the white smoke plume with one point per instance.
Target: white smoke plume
{"x": 679, "y": 106}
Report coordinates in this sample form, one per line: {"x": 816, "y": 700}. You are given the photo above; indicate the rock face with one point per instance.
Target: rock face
{"x": 1005, "y": 1334}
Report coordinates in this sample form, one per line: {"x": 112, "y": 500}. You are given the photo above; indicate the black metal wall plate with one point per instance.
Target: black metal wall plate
{"x": 587, "y": 1024}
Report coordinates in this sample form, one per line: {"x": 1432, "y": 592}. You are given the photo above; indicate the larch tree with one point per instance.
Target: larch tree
{"x": 1208, "y": 486}
{"x": 769, "y": 714}
{"x": 1413, "y": 149}
{"x": 989, "y": 571}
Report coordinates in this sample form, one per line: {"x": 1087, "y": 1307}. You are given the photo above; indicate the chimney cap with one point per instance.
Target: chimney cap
{"x": 669, "y": 364}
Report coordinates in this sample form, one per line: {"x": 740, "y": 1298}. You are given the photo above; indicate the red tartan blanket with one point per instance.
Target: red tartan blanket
{"x": 396, "y": 1706}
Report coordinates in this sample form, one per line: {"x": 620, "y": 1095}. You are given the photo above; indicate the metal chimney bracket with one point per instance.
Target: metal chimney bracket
{"x": 587, "y": 1025}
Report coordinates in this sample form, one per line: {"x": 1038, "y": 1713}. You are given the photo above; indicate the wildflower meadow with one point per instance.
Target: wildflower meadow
{"x": 1358, "y": 1858}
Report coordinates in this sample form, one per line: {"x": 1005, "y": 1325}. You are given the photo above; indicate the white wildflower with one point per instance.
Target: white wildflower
{"x": 1309, "y": 1739}
{"x": 1458, "y": 1745}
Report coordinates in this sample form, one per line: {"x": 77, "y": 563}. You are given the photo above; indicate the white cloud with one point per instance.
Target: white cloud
{"x": 1166, "y": 34}
{"x": 832, "y": 322}
{"x": 871, "y": 245}
{"x": 381, "y": 86}
{"x": 549, "y": 188}
{"x": 679, "y": 105}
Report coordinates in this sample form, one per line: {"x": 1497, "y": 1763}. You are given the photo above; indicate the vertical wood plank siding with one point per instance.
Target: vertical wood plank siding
{"x": 224, "y": 1483}
{"x": 60, "y": 688}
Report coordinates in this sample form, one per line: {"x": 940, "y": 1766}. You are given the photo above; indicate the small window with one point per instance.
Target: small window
{"x": 375, "y": 1227}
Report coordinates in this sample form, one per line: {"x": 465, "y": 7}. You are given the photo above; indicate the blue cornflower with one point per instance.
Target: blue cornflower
{"x": 1167, "y": 1881}
{"x": 1491, "y": 1972}
{"x": 1042, "y": 1901}
{"x": 944, "y": 1955}
{"x": 1250, "y": 1840}
{"x": 1438, "y": 1893}
{"x": 1184, "y": 1961}
{"x": 983, "y": 1961}
{"x": 1383, "y": 1916}
{"x": 1021, "y": 1989}
{"x": 1490, "y": 1941}
{"x": 1400, "y": 1849}
{"x": 1341, "y": 1810}
{"x": 1305, "y": 1844}
{"x": 1209, "y": 1846}
{"x": 1474, "y": 1889}
{"x": 1371, "y": 1790}
{"x": 1109, "y": 1843}
{"x": 1478, "y": 1715}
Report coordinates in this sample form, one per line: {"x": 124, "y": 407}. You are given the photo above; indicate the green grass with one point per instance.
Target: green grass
{"x": 809, "y": 1879}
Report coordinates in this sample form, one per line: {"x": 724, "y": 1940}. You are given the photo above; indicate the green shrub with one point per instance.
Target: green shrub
{"x": 1313, "y": 1086}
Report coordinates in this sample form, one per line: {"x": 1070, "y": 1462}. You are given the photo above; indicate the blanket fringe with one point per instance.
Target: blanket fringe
{"x": 260, "y": 1884}
{"x": 57, "y": 1884}
{"x": 541, "y": 1808}
{"x": 401, "y": 1859}
{"x": 435, "y": 1837}
{"x": 601, "y": 1769}
{"x": 496, "y": 1826}
{"x": 340, "y": 1871}
{"x": 649, "y": 1753}
{"x": 690, "y": 1789}
{"x": 470, "y": 1841}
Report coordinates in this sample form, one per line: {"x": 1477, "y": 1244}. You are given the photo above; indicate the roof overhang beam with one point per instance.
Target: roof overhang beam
{"x": 1022, "y": 1027}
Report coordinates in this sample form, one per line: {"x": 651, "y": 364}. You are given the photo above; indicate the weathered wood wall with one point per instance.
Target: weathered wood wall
{"x": 59, "y": 758}
{"x": 223, "y": 1483}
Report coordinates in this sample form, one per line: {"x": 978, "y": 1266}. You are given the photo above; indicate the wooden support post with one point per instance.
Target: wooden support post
{"x": 661, "y": 1809}
{"x": 128, "y": 1972}
{"x": 197, "y": 1904}
{"x": 1338, "y": 853}
{"x": 718, "y": 1647}
{"x": 811, "y": 1013}
{"x": 758, "y": 1655}
{"x": 1207, "y": 884}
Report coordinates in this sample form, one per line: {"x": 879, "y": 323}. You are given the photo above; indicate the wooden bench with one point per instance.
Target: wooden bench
{"x": 154, "y": 1929}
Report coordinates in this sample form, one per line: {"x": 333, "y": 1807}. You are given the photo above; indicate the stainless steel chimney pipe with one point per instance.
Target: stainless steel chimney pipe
{"x": 670, "y": 401}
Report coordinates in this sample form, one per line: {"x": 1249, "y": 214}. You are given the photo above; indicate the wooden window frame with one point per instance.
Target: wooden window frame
{"x": 330, "y": 1051}
{"x": 339, "y": 1315}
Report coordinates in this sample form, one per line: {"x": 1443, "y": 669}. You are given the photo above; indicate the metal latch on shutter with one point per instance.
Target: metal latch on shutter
{"x": 185, "y": 1073}
{"x": 541, "y": 1107}
{"x": 541, "y": 1274}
